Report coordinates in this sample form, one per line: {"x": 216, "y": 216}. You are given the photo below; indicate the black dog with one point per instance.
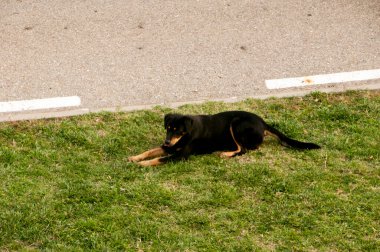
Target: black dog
{"x": 233, "y": 132}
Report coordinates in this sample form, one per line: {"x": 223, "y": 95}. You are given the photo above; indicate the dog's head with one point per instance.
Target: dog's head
{"x": 177, "y": 126}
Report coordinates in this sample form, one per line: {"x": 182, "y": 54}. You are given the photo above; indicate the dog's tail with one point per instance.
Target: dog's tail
{"x": 288, "y": 142}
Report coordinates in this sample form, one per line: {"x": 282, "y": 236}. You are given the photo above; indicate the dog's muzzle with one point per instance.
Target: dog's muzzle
{"x": 172, "y": 141}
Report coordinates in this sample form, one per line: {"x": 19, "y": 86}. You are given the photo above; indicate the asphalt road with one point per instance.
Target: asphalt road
{"x": 124, "y": 54}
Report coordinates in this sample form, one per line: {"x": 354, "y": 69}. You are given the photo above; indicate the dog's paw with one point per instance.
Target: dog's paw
{"x": 134, "y": 159}
{"x": 228, "y": 154}
{"x": 145, "y": 163}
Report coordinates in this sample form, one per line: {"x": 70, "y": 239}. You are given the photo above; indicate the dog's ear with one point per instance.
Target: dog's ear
{"x": 189, "y": 122}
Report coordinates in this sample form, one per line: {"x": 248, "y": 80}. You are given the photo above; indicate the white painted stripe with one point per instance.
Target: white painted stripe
{"x": 36, "y": 104}
{"x": 323, "y": 79}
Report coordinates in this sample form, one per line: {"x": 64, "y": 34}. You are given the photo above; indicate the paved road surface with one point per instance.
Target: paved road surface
{"x": 140, "y": 52}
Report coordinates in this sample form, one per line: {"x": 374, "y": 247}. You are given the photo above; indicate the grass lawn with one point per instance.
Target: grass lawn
{"x": 66, "y": 184}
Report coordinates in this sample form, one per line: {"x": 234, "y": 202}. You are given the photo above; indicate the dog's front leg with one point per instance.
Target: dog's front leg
{"x": 156, "y": 152}
{"x": 155, "y": 161}
{"x": 182, "y": 154}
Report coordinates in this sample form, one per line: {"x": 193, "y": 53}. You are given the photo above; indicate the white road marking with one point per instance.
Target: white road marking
{"x": 36, "y": 104}
{"x": 323, "y": 79}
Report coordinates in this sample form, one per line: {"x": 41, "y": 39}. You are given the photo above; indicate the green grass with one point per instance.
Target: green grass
{"x": 65, "y": 184}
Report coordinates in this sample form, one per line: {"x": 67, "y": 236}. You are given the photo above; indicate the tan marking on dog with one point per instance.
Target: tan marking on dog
{"x": 175, "y": 140}
{"x": 152, "y": 162}
{"x": 156, "y": 152}
{"x": 268, "y": 133}
{"x": 231, "y": 153}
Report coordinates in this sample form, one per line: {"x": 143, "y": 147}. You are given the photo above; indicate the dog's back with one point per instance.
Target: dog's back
{"x": 213, "y": 132}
